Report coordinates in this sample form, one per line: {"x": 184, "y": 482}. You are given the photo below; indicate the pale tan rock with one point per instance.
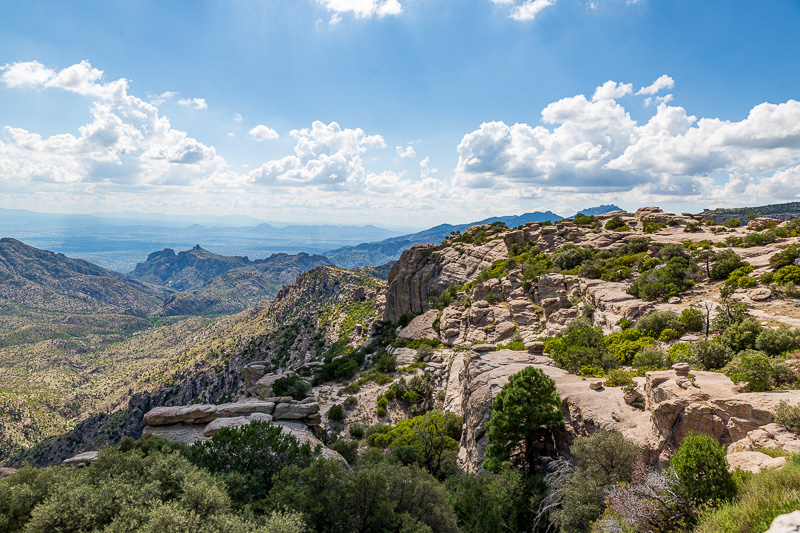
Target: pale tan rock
{"x": 5, "y": 471}
{"x": 294, "y": 411}
{"x": 484, "y": 347}
{"x": 769, "y": 436}
{"x": 785, "y": 523}
{"x": 753, "y": 462}
{"x": 760, "y": 294}
{"x": 161, "y": 416}
{"x": 185, "y": 433}
{"x": 421, "y": 327}
{"x": 243, "y": 408}
{"x": 596, "y": 385}
{"x": 82, "y": 459}
{"x": 232, "y": 422}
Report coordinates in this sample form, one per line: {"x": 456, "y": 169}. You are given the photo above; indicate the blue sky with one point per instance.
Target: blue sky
{"x": 404, "y": 112}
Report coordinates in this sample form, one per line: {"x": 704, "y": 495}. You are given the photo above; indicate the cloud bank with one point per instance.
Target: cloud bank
{"x": 580, "y": 150}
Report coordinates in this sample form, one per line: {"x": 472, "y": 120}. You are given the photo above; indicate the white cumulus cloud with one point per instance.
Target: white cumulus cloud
{"x": 525, "y": 10}
{"x": 263, "y": 133}
{"x": 197, "y": 103}
{"x": 595, "y": 147}
{"x": 362, "y": 8}
{"x": 663, "y": 82}
{"x": 403, "y": 153}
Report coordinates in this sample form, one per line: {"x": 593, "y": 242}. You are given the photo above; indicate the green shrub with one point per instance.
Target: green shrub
{"x": 651, "y": 358}
{"x": 751, "y": 368}
{"x": 357, "y": 430}
{"x": 711, "y": 354}
{"x": 578, "y": 345}
{"x": 615, "y": 223}
{"x": 293, "y": 386}
{"x": 745, "y": 282}
{"x": 766, "y": 278}
{"x": 733, "y": 222}
{"x": 664, "y": 282}
{"x": 785, "y": 257}
{"x": 350, "y": 402}
{"x": 382, "y": 401}
{"x": 617, "y": 378}
{"x": 703, "y": 472}
{"x": 570, "y": 256}
{"x": 788, "y": 274}
{"x": 380, "y": 412}
{"x": 692, "y": 227}
{"x": 668, "y": 335}
{"x": 724, "y": 263}
{"x": 336, "y": 413}
{"x": 692, "y": 319}
{"x": 778, "y": 341}
{"x": 788, "y": 415}
{"x": 247, "y": 457}
{"x": 741, "y": 336}
{"x": 655, "y": 323}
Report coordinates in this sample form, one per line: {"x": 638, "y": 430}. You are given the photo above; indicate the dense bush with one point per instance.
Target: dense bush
{"x": 127, "y": 491}
{"x": 293, "y": 386}
{"x": 247, "y": 457}
{"x": 703, "y": 471}
{"x": 379, "y": 498}
{"x": 616, "y": 223}
{"x": 655, "y": 323}
{"x": 733, "y": 222}
{"x": 788, "y": 274}
{"x": 725, "y": 262}
{"x": 495, "y": 504}
{"x": 336, "y": 413}
{"x": 664, "y": 282}
{"x": 785, "y": 257}
{"x": 692, "y": 319}
{"x": 357, "y": 430}
{"x": 570, "y": 256}
{"x": 788, "y": 415}
{"x": 711, "y": 354}
{"x": 753, "y": 369}
{"x": 778, "y": 341}
{"x": 579, "y": 345}
{"x": 741, "y": 336}
{"x": 626, "y": 344}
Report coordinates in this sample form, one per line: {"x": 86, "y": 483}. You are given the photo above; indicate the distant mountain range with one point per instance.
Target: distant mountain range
{"x": 213, "y": 283}
{"x": 387, "y": 250}
{"x": 120, "y": 242}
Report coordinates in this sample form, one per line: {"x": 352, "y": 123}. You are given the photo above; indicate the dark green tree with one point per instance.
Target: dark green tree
{"x": 527, "y": 404}
{"x": 703, "y": 471}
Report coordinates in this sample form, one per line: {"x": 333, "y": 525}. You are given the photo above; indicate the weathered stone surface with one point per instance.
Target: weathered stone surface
{"x": 252, "y": 373}
{"x": 404, "y": 356}
{"x": 161, "y": 416}
{"x": 770, "y": 437}
{"x": 753, "y": 462}
{"x": 421, "y": 327}
{"x": 785, "y": 523}
{"x": 484, "y": 347}
{"x": 263, "y": 387}
{"x": 681, "y": 369}
{"x": 177, "y": 432}
{"x": 243, "y": 408}
{"x": 596, "y": 385}
{"x": 535, "y": 347}
{"x": 232, "y": 422}
{"x": 5, "y": 472}
{"x": 760, "y": 294}
{"x": 294, "y": 411}
{"x": 82, "y": 459}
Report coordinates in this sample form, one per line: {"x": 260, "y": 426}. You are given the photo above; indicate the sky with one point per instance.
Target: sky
{"x": 397, "y": 112}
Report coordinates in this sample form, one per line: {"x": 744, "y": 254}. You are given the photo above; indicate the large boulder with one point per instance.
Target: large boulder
{"x": 785, "y": 523}
{"x": 82, "y": 459}
{"x": 421, "y": 327}
{"x": 753, "y": 462}
{"x": 162, "y": 416}
{"x": 768, "y": 437}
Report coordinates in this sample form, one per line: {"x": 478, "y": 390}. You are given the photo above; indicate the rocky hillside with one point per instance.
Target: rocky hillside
{"x": 201, "y": 360}
{"x": 185, "y": 270}
{"x": 38, "y": 280}
{"x": 240, "y": 287}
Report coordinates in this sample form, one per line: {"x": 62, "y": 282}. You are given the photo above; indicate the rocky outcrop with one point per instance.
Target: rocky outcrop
{"x": 283, "y": 408}
{"x": 82, "y": 459}
{"x": 753, "y": 462}
{"x": 768, "y": 437}
{"x": 612, "y": 303}
{"x": 785, "y": 523}
{"x": 421, "y": 327}
{"x": 657, "y": 416}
